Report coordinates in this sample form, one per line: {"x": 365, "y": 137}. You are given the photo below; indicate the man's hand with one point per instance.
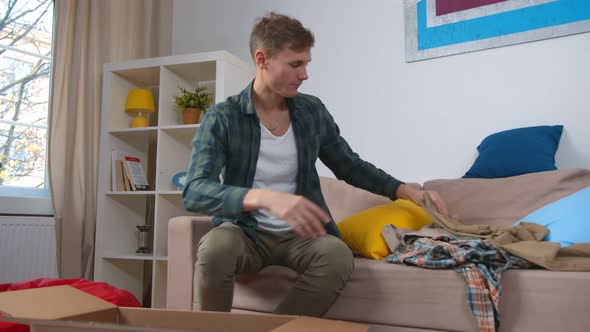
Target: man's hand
{"x": 305, "y": 217}
{"x": 416, "y": 196}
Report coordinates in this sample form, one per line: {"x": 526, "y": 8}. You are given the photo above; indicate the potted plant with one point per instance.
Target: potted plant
{"x": 192, "y": 103}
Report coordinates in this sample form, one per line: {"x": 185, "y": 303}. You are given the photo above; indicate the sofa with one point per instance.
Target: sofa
{"x": 392, "y": 297}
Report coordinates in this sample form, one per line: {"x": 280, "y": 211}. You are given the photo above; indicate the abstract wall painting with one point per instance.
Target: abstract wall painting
{"x": 436, "y": 28}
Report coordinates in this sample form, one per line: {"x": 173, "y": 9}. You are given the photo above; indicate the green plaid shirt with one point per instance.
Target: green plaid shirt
{"x": 228, "y": 142}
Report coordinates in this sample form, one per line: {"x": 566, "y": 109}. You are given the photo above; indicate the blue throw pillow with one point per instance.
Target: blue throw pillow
{"x": 516, "y": 152}
{"x": 568, "y": 219}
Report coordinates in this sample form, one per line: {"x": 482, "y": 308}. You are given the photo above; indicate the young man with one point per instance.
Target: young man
{"x": 270, "y": 208}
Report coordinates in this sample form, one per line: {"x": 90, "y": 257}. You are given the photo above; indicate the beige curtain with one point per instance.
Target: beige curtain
{"x": 88, "y": 34}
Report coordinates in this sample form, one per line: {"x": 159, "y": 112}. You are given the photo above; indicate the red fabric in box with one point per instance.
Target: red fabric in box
{"x": 119, "y": 297}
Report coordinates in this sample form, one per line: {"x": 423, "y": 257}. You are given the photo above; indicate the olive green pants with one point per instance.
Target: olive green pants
{"x": 324, "y": 265}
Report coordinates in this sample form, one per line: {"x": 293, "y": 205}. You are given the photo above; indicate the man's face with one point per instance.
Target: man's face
{"x": 285, "y": 71}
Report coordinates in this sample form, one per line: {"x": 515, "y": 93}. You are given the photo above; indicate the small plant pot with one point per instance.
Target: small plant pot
{"x": 191, "y": 115}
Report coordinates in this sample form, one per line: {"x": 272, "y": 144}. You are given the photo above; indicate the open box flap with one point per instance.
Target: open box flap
{"x": 64, "y": 308}
{"x": 206, "y": 320}
{"x": 233, "y": 322}
{"x": 168, "y": 321}
{"x": 310, "y": 324}
{"x": 58, "y": 302}
{"x": 90, "y": 326}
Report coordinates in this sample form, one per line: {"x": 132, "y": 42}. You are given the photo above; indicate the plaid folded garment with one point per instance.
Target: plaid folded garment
{"x": 479, "y": 262}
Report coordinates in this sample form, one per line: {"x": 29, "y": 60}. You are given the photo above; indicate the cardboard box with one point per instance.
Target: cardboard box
{"x": 64, "y": 308}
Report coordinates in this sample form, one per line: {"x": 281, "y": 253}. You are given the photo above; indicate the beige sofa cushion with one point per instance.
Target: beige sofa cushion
{"x": 377, "y": 293}
{"x": 504, "y": 201}
{"x": 344, "y": 200}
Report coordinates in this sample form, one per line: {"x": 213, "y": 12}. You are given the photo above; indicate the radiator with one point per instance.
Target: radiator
{"x": 27, "y": 248}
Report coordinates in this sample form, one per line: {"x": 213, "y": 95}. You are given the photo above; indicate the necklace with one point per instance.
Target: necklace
{"x": 275, "y": 126}
{"x": 277, "y": 122}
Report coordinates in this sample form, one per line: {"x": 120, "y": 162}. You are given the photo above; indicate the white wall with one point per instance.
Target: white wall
{"x": 422, "y": 120}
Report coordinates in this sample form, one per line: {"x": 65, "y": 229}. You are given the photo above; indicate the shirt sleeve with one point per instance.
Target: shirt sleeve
{"x": 337, "y": 155}
{"x": 203, "y": 191}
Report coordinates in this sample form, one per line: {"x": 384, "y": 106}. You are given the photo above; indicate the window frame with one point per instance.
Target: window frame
{"x": 27, "y": 201}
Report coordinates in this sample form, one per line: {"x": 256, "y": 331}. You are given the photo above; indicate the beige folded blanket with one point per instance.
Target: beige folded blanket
{"x": 524, "y": 241}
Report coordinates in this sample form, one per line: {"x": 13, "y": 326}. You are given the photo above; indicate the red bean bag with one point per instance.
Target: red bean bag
{"x": 119, "y": 297}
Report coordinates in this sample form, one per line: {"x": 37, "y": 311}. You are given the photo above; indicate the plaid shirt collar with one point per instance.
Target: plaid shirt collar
{"x": 247, "y": 104}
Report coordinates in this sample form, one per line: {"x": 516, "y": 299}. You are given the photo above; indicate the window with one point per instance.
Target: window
{"x": 25, "y": 61}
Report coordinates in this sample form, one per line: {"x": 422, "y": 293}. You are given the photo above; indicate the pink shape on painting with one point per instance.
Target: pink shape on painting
{"x": 452, "y": 6}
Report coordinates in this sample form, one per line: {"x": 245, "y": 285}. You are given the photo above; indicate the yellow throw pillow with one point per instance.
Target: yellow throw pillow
{"x": 362, "y": 231}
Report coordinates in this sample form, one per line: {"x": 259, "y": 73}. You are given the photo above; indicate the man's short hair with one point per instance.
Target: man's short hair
{"x": 273, "y": 32}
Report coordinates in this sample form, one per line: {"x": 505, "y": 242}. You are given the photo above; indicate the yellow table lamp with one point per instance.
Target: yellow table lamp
{"x": 140, "y": 101}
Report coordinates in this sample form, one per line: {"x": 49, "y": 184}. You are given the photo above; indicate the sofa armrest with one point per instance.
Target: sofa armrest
{"x": 183, "y": 235}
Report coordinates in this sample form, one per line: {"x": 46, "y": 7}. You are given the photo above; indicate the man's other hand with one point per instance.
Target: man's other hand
{"x": 305, "y": 217}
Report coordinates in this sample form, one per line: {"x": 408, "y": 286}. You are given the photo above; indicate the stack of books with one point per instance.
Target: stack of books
{"x": 127, "y": 172}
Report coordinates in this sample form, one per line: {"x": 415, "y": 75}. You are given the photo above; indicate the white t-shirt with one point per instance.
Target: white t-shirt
{"x": 276, "y": 170}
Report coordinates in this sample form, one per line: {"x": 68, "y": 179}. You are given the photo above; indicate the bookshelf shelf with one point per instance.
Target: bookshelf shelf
{"x": 149, "y": 133}
{"x": 190, "y": 126}
{"x": 170, "y": 192}
{"x": 134, "y": 130}
{"x": 165, "y": 148}
{"x": 130, "y": 257}
{"x": 132, "y": 193}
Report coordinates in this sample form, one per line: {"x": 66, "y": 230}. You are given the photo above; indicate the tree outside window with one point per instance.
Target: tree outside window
{"x": 25, "y": 62}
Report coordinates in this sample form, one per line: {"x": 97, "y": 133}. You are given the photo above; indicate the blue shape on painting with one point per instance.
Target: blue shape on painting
{"x": 515, "y": 21}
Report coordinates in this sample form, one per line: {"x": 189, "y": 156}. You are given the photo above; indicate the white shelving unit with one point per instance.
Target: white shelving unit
{"x": 166, "y": 145}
